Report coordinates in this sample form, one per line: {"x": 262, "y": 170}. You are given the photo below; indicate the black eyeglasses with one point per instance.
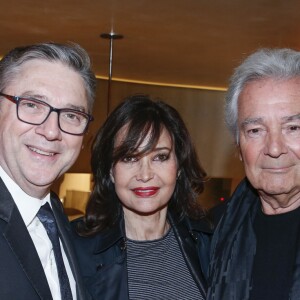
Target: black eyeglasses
{"x": 36, "y": 112}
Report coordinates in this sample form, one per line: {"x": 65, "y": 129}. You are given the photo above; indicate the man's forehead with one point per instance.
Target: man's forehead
{"x": 260, "y": 83}
{"x": 268, "y": 91}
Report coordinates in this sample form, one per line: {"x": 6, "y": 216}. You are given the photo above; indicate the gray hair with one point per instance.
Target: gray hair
{"x": 71, "y": 55}
{"x": 280, "y": 64}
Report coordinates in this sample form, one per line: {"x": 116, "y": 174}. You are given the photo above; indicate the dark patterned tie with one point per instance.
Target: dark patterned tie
{"x": 46, "y": 216}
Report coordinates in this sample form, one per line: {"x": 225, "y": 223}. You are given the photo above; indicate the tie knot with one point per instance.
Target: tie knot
{"x": 46, "y": 217}
{"x": 45, "y": 214}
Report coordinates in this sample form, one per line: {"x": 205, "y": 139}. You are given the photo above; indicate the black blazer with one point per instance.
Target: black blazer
{"x": 21, "y": 272}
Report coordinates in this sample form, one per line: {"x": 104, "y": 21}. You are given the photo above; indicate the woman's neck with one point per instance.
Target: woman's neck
{"x": 150, "y": 227}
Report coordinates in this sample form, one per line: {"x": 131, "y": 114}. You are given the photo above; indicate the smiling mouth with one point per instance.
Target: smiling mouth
{"x": 145, "y": 192}
{"x": 41, "y": 152}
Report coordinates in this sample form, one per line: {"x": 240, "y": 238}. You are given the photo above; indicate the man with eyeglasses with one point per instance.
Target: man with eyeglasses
{"x": 46, "y": 98}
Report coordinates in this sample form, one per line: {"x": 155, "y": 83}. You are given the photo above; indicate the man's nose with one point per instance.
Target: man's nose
{"x": 50, "y": 128}
{"x": 275, "y": 144}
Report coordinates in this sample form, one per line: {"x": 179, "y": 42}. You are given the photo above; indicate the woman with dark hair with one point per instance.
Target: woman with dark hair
{"x": 144, "y": 236}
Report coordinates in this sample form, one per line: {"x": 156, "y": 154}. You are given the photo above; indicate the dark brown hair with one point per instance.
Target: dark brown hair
{"x": 143, "y": 117}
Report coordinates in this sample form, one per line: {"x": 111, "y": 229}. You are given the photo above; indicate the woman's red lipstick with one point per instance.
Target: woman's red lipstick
{"x": 147, "y": 191}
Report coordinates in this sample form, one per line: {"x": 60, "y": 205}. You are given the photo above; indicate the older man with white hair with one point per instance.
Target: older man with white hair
{"x": 256, "y": 247}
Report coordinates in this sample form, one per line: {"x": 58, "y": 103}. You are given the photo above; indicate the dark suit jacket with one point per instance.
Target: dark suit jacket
{"x": 21, "y": 272}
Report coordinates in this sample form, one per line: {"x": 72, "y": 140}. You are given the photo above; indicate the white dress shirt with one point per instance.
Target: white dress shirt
{"x": 28, "y": 208}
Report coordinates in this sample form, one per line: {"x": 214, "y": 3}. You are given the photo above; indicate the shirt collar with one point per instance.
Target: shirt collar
{"x": 28, "y": 206}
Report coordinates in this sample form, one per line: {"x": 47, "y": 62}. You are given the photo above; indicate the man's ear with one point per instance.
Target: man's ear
{"x": 240, "y": 153}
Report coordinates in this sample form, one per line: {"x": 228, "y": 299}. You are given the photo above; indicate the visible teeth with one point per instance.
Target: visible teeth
{"x": 41, "y": 151}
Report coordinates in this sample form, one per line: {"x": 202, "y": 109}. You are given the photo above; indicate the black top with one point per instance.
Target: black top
{"x": 277, "y": 237}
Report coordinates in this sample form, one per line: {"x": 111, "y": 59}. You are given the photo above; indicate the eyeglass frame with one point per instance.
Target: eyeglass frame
{"x": 16, "y": 100}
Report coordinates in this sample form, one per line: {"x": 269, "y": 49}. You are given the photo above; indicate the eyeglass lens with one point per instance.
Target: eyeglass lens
{"x": 36, "y": 112}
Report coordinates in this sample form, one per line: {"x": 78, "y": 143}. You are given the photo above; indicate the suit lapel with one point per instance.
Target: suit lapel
{"x": 20, "y": 242}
